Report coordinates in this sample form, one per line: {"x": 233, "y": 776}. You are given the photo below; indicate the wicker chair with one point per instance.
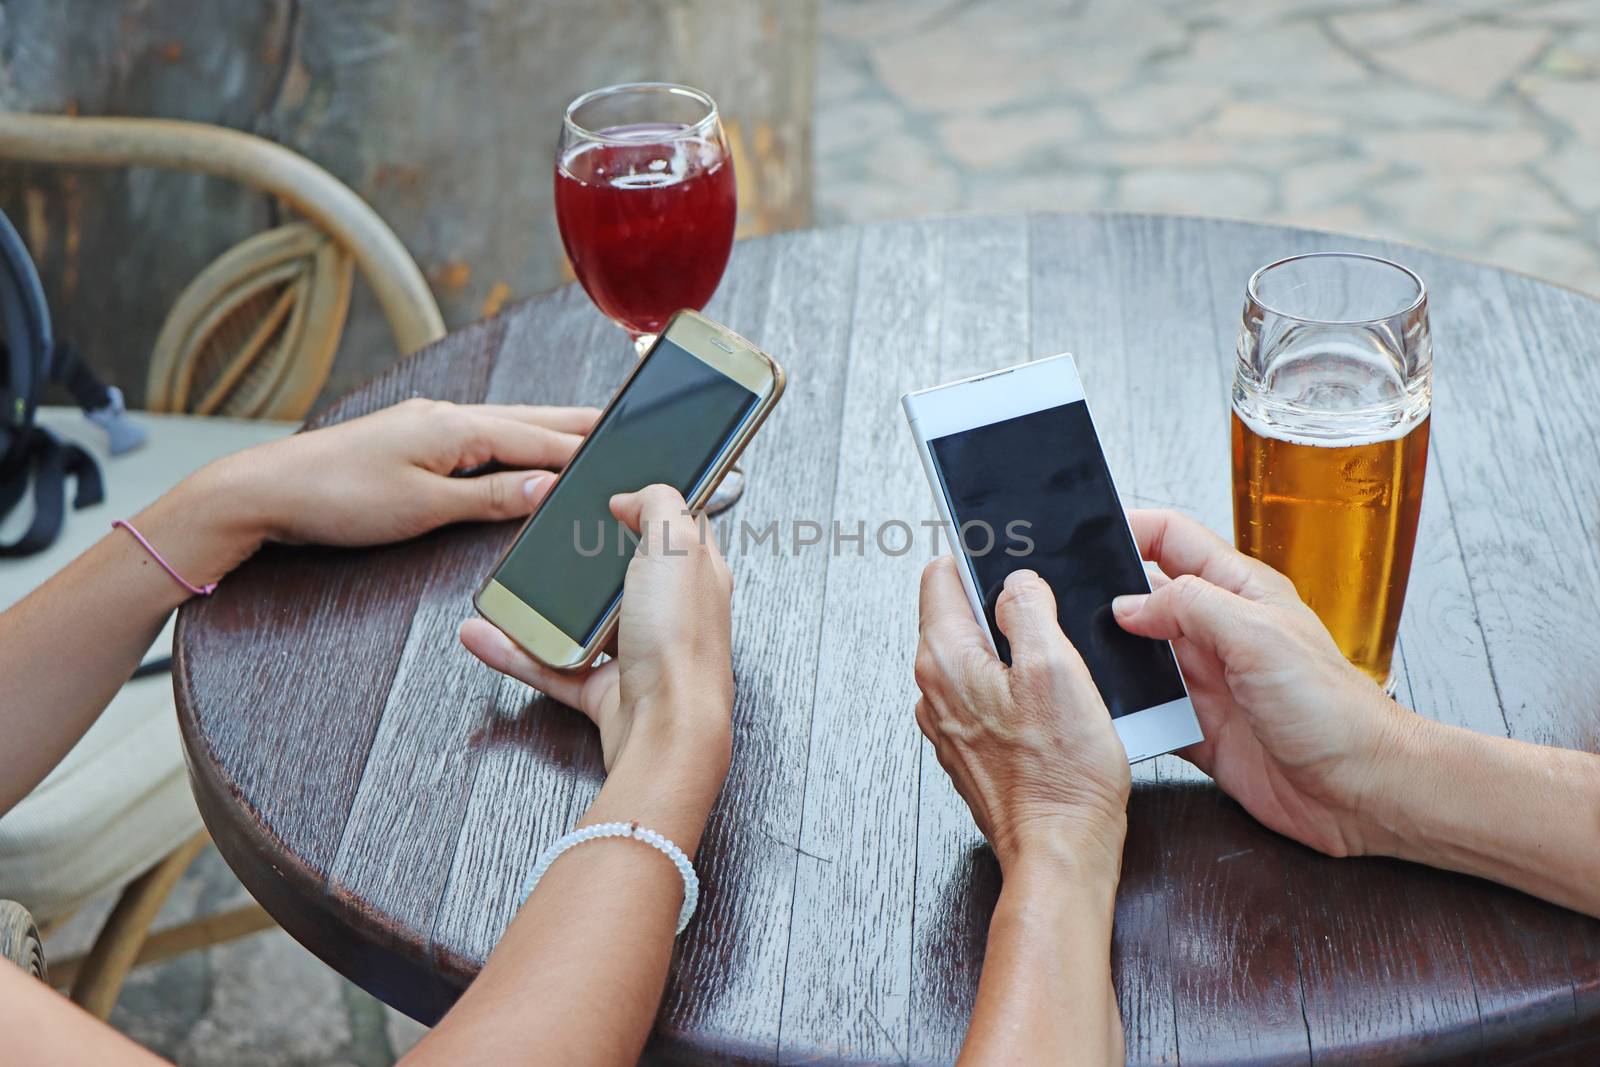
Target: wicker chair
{"x": 252, "y": 337}
{"x": 19, "y": 939}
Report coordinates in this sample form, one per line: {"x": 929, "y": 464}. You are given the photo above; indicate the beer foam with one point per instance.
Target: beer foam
{"x": 1336, "y": 429}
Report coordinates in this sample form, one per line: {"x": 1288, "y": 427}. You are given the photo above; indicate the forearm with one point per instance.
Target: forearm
{"x": 42, "y": 1028}
{"x": 1521, "y": 814}
{"x": 69, "y": 646}
{"x": 577, "y": 979}
{"x": 1045, "y": 995}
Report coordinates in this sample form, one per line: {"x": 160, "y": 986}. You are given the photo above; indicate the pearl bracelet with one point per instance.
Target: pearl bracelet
{"x": 691, "y": 883}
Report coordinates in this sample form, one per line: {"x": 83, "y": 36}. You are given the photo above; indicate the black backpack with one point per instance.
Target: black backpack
{"x": 29, "y": 360}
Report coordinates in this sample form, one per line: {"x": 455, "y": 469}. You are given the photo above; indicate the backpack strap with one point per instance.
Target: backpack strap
{"x": 51, "y": 461}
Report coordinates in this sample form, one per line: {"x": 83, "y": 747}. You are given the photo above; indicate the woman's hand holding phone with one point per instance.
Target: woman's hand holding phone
{"x": 387, "y": 476}
{"x": 670, "y": 687}
{"x": 1312, "y": 747}
{"x": 1030, "y": 747}
{"x": 383, "y": 477}
{"x": 1293, "y": 732}
{"x": 590, "y": 948}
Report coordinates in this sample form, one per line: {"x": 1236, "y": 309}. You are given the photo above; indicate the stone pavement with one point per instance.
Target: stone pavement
{"x": 1472, "y": 126}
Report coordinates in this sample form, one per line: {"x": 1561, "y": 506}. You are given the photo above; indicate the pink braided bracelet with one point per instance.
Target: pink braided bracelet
{"x": 197, "y": 590}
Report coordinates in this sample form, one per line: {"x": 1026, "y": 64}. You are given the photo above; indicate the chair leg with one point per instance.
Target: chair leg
{"x": 200, "y": 933}
{"x": 105, "y": 967}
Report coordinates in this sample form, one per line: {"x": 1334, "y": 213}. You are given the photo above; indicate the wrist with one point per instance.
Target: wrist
{"x": 237, "y": 500}
{"x": 685, "y": 717}
{"x": 1077, "y": 845}
{"x": 1408, "y": 754}
{"x": 667, "y": 776}
{"x": 688, "y": 739}
{"x": 206, "y": 526}
{"x": 696, "y": 739}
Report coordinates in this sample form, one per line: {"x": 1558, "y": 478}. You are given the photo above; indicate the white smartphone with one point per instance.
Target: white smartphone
{"x": 1020, "y": 481}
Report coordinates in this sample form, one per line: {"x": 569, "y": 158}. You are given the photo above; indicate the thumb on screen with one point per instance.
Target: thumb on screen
{"x": 652, "y": 504}
{"x": 1026, "y": 614}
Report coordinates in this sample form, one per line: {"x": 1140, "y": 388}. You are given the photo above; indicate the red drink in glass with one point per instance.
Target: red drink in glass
{"x": 646, "y": 213}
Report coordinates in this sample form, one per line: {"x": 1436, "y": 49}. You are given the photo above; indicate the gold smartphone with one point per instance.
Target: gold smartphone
{"x": 681, "y": 419}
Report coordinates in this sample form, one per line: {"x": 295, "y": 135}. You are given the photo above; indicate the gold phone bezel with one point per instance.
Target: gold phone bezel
{"x": 718, "y": 347}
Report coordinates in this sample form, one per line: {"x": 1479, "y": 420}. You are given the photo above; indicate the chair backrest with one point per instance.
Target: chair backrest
{"x": 255, "y": 333}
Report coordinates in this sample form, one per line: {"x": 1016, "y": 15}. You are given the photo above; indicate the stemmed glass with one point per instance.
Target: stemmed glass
{"x": 645, "y": 202}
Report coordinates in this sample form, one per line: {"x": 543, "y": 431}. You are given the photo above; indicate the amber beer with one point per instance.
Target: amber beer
{"x": 1339, "y": 520}
{"x": 1332, "y": 395}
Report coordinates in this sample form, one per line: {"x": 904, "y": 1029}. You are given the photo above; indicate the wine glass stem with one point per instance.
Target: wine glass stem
{"x": 731, "y": 489}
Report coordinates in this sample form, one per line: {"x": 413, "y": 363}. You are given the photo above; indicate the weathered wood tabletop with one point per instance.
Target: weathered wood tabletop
{"x": 383, "y": 794}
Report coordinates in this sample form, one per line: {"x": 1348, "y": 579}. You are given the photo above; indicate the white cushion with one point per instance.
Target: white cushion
{"x": 117, "y": 804}
{"x": 120, "y": 799}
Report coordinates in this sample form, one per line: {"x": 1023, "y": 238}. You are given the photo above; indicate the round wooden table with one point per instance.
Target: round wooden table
{"x": 383, "y": 794}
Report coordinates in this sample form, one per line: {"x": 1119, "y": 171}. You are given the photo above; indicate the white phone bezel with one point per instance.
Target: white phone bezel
{"x": 985, "y": 399}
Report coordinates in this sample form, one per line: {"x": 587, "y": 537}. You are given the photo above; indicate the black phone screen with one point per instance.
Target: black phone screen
{"x": 668, "y": 426}
{"x": 1035, "y": 492}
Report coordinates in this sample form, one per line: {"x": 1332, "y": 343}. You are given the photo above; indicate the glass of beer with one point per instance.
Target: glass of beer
{"x": 1331, "y": 400}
